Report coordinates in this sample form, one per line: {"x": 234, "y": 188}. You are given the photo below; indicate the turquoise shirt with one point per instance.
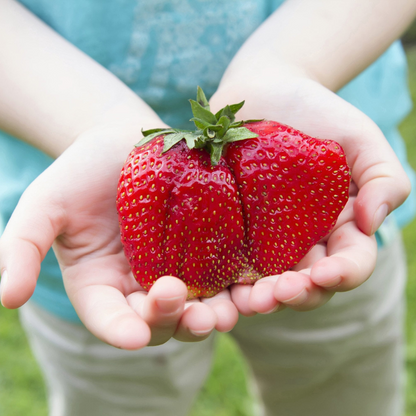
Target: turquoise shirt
{"x": 162, "y": 50}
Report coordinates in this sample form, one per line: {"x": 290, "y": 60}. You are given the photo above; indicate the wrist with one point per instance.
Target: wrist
{"x": 118, "y": 126}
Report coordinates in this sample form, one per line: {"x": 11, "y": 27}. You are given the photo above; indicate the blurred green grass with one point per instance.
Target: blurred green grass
{"x": 408, "y": 130}
{"x": 21, "y": 387}
{"x": 225, "y": 392}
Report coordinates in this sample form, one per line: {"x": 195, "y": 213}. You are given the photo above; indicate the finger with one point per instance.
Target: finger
{"x": 382, "y": 182}
{"x": 353, "y": 189}
{"x": 27, "y": 238}
{"x": 261, "y": 299}
{"x": 20, "y": 266}
{"x": 161, "y": 308}
{"x": 378, "y": 198}
{"x": 240, "y": 295}
{"x": 351, "y": 259}
{"x": 197, "y": 322}
{"x": 297, "y": 291}
{"x": 224, "y": 308}
{"x": 97, "y": 288}
{"x": 106, "y": 314}
{"x": 317, "y": 253}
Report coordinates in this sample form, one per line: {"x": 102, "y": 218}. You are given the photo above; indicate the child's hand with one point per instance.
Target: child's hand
{"x": 286, "y": 71}
{"x": 63, "y": 95}
{"x": 347, "y": 256}
{"x": 72, "y": 206}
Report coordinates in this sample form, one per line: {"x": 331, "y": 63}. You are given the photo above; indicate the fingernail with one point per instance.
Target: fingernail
{"x": 331, "y": 283}
{"x": 298, "y": 299}
{"x": 379, "y": 217}
{"x": 170, "y": 305}
{"x": 3, "y": 283}
{"x": 200, "y": 333}
{"x": 274, "y": 309}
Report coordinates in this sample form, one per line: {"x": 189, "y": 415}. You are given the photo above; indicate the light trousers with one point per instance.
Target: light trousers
{"x": 343, "y": 359}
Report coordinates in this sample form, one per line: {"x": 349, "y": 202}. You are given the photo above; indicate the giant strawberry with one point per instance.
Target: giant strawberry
{"x": 231, "y": 202}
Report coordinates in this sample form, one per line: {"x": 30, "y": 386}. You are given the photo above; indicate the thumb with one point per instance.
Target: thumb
{"x": 378, "y": 198}
{"x": 382, "y": 182}
{"x": 24, "y": 244}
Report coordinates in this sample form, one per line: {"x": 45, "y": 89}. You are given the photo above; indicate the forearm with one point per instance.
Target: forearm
{"x": 330, "y": 41}
{"x": 51, "y": 92}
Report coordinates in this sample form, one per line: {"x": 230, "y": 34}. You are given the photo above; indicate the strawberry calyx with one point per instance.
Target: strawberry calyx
{"x": 213, "y": 131}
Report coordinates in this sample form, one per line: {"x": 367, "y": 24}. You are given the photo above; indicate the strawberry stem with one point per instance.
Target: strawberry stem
{"x": 213, "y": 131}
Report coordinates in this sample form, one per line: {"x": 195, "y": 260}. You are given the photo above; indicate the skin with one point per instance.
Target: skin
{"x": 67, "y": 105}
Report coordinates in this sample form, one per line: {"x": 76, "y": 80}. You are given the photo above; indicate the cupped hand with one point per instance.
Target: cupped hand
{"x": 72, "y": 207}
{"x": 345, "y": 258}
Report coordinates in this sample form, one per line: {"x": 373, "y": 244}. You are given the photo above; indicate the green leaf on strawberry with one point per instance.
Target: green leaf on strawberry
{"x": 202, "y": 99}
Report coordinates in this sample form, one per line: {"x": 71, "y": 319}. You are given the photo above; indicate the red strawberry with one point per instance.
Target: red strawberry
{"x": 228, "y": 203}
